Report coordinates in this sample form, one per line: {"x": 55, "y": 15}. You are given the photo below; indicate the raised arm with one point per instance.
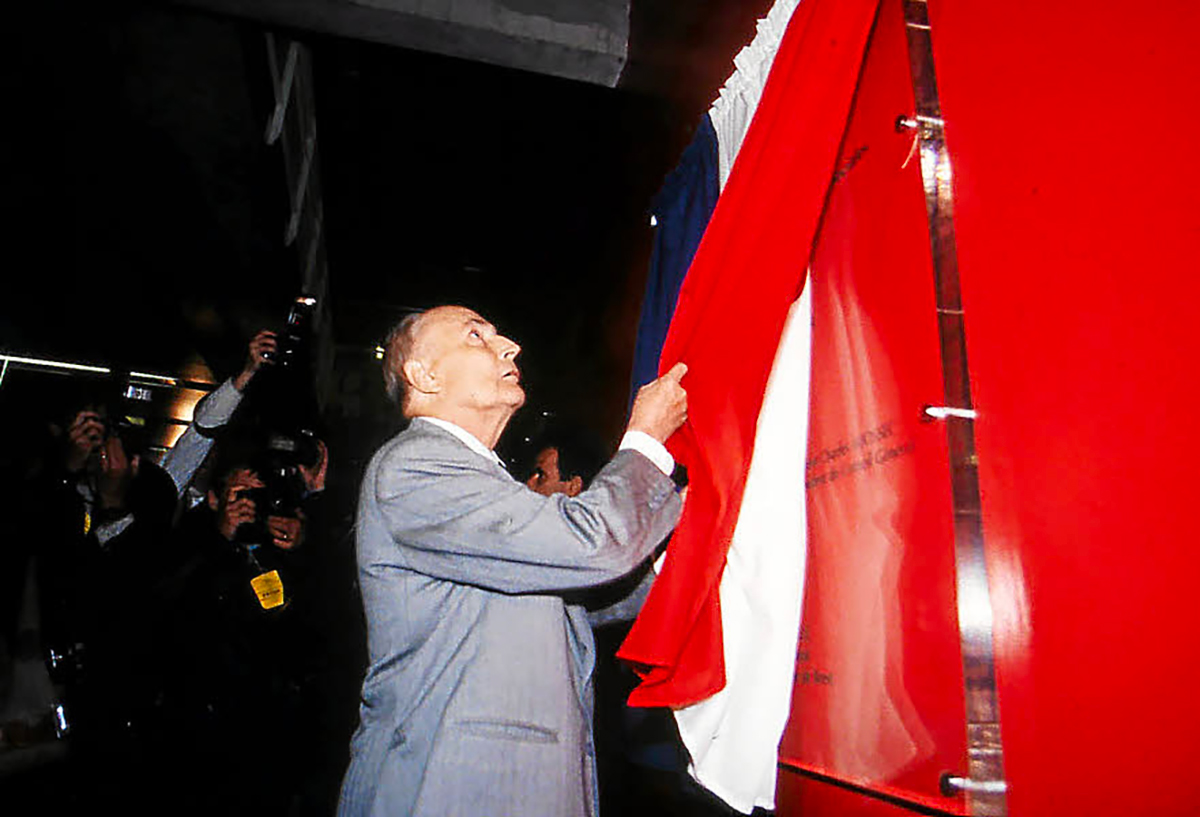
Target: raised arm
{"x": 454, "y": 516}
{"x": 451, "y": 513}
{"x": 213, "y": 412}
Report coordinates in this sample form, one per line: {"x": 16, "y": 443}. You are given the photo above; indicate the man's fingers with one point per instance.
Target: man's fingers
{"x": 84, "y": 417}
{"x": 246, "y": 479}
{"x": 677, "y": 371}
{"x": 87, "y": 429}
{"x": 241, "y": 507}
{"x": 261, "y": 345}
{"x": 116, "y": 453}
{"x": 240, "y": 513}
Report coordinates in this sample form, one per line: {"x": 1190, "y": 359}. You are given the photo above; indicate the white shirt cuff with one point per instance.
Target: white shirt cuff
{"x": 651, "y": 448}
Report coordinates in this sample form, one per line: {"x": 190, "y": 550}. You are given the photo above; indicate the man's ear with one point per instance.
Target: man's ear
{"x": 420, "y": 377}
{"x": 574, "y": 485}
{"x": 213, "y": 502}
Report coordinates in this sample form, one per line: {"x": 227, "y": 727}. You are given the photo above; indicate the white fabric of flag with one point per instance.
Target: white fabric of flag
{"x": 738, "y": 100}
{"x": 733, "y": 737}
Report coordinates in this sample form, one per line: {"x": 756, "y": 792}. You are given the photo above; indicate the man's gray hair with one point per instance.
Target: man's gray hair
{"x": 398, "y": 349}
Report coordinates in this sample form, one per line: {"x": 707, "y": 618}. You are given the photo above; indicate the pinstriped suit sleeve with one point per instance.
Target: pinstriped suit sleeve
{"x": 453, "y": 515}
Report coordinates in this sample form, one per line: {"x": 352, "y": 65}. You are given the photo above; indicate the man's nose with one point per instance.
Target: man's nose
{"x": 509, "y": 349}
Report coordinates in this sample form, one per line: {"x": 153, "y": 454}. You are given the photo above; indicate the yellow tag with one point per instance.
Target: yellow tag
{"x": 269, "y": 588}
{"x": 87, "y": 522}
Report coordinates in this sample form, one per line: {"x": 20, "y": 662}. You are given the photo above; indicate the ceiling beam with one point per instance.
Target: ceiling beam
{"x": 583, "y": 40}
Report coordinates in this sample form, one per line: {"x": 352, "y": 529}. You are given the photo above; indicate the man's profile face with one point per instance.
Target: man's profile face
{"x": 475, "y": 366}
{"x": 546, "y": 478}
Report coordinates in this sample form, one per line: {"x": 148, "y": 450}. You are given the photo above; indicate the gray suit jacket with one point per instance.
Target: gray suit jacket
{"x": 477, "y": 702}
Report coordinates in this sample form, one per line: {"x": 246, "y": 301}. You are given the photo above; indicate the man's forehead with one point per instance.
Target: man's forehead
{"x": 452, "y": 316}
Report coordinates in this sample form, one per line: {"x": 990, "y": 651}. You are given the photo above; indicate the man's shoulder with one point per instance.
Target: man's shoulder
{"x": 420, "y": 442}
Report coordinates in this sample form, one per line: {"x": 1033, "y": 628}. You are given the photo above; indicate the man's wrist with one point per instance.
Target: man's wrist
{"x": 650, "y": 448}
{"x": 243, "y": 379}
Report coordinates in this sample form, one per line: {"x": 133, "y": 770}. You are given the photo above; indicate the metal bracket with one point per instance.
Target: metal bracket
{"x": 951, "y": 785}
{"x": 984, "y": 785}
{"x": 927, "y": 124}
{"x": 942, "y": 412}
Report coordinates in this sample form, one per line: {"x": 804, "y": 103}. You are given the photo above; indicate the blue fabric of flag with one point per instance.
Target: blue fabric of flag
{"x": 682, "y": 207}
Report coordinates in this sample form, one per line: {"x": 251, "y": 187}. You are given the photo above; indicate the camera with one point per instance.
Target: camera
{"x": 277, "y": 464}
{"x": 284, "y": 405}
{"x": 291, "y": 343}
{"x": 280, "y": 470}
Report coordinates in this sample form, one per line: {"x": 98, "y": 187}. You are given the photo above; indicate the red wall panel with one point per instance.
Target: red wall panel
{"x": 1072, "y": 127}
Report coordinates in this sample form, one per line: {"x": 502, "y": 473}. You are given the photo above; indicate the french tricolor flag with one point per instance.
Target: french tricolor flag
{"x": 716, "y": 640}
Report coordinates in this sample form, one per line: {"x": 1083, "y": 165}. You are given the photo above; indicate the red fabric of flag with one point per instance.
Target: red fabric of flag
{"x": 748, "y": 270}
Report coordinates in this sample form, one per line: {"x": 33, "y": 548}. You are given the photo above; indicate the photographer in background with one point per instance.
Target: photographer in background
{"x": 96, "y": 515}
{"x": 251, "y": 649}
{"x": 265, "y": 613}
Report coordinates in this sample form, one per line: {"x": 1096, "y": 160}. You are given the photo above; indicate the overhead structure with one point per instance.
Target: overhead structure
{"x": 584, "y": 40}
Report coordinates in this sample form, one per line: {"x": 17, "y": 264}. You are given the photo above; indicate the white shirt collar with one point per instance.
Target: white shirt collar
{"x": 470, "y": 440}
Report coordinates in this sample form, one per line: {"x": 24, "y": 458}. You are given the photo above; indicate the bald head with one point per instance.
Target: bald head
{"x": 451, "y": 363}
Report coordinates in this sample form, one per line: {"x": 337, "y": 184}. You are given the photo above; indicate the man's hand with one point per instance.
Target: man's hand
{"x": 661, "y": 406}
{"x": 236, "y": 511}
{"x": 314, "y": 478}
{"x": 116, "y": 473}
{"x": 262, "y": 346}
{"x": 83, "y": 437}
{"x": 286, "y": 531}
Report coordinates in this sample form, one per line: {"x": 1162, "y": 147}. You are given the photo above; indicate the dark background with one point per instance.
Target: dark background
{"x": 142, "y": 220}
{"x": 143, "y": 212}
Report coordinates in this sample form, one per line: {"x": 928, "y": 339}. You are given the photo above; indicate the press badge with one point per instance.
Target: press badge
{"x": 269, "y": 589}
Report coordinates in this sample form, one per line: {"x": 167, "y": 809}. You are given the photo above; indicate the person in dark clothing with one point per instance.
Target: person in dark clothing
{"x": 99, "y": 515}
{"x": 255, "y": 661}
{"x": 98, "y": 522}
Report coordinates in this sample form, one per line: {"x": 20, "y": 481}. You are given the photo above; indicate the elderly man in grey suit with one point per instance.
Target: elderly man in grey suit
{"x": 477, "y": 702}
